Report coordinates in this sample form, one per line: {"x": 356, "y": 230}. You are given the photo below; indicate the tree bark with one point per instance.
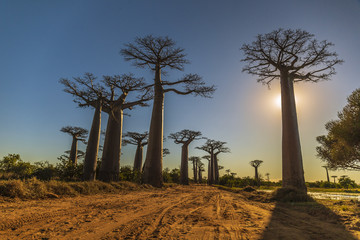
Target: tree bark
{"x": 73, "y": 151}
{"x": 209, "y": 171}
{"x": 327, "y": 175}
{"x": 212, "y": 168}
{"x": 154, "y": 154}
{"x": 184, "y": 169}
{"x": 256, "y": 175}
{"x": 293, "y": 172}
{"x": 138, "y": 158}
{"x": 194, "y": 171}
{"x": 216, "y": 169}
{"x": 200, "y": 176}
{"x": 110, "y": 163}
{"x": 93, "y": 145}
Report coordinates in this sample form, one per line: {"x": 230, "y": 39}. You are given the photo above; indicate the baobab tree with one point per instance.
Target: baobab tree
{"x": 158, "y": 53}
{"x": 88, "y": 92}
{"x": 327, "y": 172}
{"x": 212, "y": 147}
{"x": 78, "y": 134}
{"x": 208, "y": 158}
{"x": 185, "y": 137}
{"x": 219, "y": 148}
{"x": 334, "y": 178}
{"x": 228, "y": 171}
{"x": 267, "y": 176}
{"x": 256, "y": 164}
{"x": 195, "y": 161}
{"x": 121, "y": 86}
{"x": 200, "y": 167}
{"x": 291, "y": 56}
{"x": 140, "y": 140}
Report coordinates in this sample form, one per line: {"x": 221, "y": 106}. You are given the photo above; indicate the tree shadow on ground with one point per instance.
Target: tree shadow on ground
{"x": 305, "y": 220}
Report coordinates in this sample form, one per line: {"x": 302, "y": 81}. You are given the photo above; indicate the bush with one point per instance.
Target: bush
{"x": 12, "y": 188}
{"x": 13, "y": 164}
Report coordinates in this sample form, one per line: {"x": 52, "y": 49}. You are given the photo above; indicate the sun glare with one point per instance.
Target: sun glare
{"x": 278, "y": 101}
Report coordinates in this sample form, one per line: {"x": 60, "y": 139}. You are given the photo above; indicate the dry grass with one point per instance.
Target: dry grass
{"x": 36, "y": 189}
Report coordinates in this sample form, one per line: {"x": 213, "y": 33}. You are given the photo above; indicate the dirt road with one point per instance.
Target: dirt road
{"x": 191, "y": 212}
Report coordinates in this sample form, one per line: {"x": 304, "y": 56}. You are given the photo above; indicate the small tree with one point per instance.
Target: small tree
{"x": 77, "y": 134}
{"x": 340, "y": 148}
{"x": 208, "y": 158}
{"x": 185, "y": 137}
{"x": 219, "y": 148}
{"x": 200, "y": 167}
{"x": 140, "y": 140}
{"x": 256, "y": 164}
{"x": 291, "y": 56}
{"x": 267, "y": 176}
{"x": 334, "y": 178}
{"x": 195, "y": 161}
{"x": 158, "y": 53}
{"x": 213, "y": 148}
{"x": 327, "y": 172}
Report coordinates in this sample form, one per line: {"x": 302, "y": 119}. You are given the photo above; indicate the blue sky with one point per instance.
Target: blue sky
{"x": 43, "y": 41}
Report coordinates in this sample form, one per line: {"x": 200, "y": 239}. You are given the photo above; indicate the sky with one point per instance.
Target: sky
{"x": 42, "y": 41}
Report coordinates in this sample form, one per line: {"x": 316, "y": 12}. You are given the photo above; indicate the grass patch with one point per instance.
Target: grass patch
{"x": 36, "y": 189}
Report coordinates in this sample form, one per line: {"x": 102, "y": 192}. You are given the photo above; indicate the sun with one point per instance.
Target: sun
{"x": 278, "y": 101}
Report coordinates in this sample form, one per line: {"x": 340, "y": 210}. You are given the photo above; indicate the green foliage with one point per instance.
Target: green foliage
{"x": 12, "y": 163}
{"x": 232, "y": 181}
{"x": 44, "y": 171}
{"x": 126, "y": 174}
{"x": 67, "y": 170}
{"x": 340, "y": 148}
{"x": 346, "y": 182}
{"x": 172, "y": 176}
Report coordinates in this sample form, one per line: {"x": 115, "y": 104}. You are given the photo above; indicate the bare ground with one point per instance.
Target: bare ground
{"x": 181, "y": 212}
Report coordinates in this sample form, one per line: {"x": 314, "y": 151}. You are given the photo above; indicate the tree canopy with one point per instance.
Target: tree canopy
{"x": 340, "y": 148}
{"x": 294, "y": 51}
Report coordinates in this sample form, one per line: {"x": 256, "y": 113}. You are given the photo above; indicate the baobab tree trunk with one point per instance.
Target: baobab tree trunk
{"x": 200, "y": 176}
{"x": 209, "y": 171}
{"x": 184, "y": 169}
{"x": 138, "y": 158}
{"x": 256, "y": 175}
{"x": 212, "y": 168}
{"x": 216, "y": 169}
{"x": 293, "y": 172}
{"x": 154, "y": 154}
{"x": 194, "y": 171}
{"x": 93, "y": 145}
{"x": 110, "y": 162}
{"x": 327, "y": 175}
{"x": 73, "y": 151}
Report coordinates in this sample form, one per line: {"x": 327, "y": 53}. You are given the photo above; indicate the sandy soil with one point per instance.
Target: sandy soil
{"x": 191, "y": 212}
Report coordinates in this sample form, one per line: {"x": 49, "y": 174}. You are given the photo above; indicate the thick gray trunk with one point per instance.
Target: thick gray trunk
{"x": 212, "y": 168}
{"x": 293, "y": 172}
{"x": 93, "y": 145}
{"x": 184, "y": 169}
{"x": 209, "y": 172}
{"x": 216, "y": 169}
{"x": 138, "y": 158}
{"x": 110, "y": 162}
{"x": 327, "y": 175}
{"x": 194, "y": 171}
{"x": 256, "y": 174}
{"x": 154, "y": 154}
{"x": 73, "y": 151}
{"x": 200, "y": 176}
